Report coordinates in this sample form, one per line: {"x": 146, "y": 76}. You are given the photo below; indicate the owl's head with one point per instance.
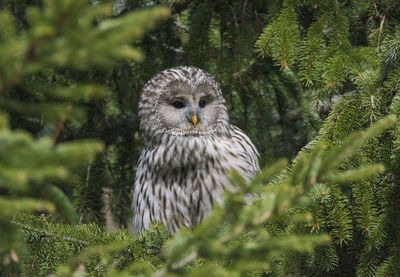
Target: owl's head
{"x": 182, "y": 101}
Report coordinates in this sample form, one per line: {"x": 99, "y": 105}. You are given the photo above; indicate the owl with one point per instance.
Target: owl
{"x": 189, "y": 147}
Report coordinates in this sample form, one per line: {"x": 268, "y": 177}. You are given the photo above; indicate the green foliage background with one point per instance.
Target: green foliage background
{"x": 313, "y": 82}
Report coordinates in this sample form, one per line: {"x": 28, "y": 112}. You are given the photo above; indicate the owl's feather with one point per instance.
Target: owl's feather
{"x": 181, "y": 173}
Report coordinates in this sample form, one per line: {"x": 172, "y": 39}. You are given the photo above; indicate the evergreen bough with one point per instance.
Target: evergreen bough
{"x": 35, "y": 168}
{"x": 333, "y": 211}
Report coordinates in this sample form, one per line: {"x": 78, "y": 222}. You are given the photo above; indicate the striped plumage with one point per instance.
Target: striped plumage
{"x": 181, "y": 171}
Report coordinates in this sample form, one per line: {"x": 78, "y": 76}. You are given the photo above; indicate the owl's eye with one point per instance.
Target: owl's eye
{"x": 202, "y": 103}
{"x": 178, "y": 105}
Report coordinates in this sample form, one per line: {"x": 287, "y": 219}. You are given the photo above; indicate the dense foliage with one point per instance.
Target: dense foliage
{"x": 312, "y": 81}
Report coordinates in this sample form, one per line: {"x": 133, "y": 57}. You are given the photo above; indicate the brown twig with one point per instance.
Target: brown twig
{"x": 380, "y": 32}
{"x": 35, "y": 256}
{"x": 60, "y": 125}
{"x": 371, "y": 117}
{"x": 85, "y": 193}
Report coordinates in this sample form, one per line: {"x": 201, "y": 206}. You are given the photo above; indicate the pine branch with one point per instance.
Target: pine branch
{"x": 45, "y": 234}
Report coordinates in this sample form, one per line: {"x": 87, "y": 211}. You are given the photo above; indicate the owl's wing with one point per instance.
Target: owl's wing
{"x": 243, "y": 142}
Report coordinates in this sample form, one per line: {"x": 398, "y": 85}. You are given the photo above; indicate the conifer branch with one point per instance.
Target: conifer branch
{"x": 310, "y": 59}
{"x": 18, "y": 73}
{"x": 188, "y": 259}
{"x": 181, "y": 6}
{"x": 50, "y": 234}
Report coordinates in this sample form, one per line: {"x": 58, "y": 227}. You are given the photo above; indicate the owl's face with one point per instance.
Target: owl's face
{"x": 182, "y": 101}
{"x": 188, "y": 107}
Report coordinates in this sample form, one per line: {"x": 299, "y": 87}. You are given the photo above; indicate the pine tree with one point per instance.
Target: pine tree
{"x": 70, "y": 76}
{"x": 348, "y": 49}
{"x": 36, "y": 102}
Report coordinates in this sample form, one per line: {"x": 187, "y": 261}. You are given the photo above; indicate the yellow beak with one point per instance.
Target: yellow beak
{"x": 194, "y": 120}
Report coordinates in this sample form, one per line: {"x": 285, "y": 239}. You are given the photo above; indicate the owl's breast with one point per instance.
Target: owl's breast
{"x": 179, "y": 180}
{"x": 183, "y": 153}
{"x": 178, "y": 152}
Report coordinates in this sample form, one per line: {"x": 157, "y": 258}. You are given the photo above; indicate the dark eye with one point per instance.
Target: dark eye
{"x": 178, "y": 105}
{"x": 202, "y": 103}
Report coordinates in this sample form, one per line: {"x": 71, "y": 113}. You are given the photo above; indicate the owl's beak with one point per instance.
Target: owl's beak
{"x": 194, "y": 120}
